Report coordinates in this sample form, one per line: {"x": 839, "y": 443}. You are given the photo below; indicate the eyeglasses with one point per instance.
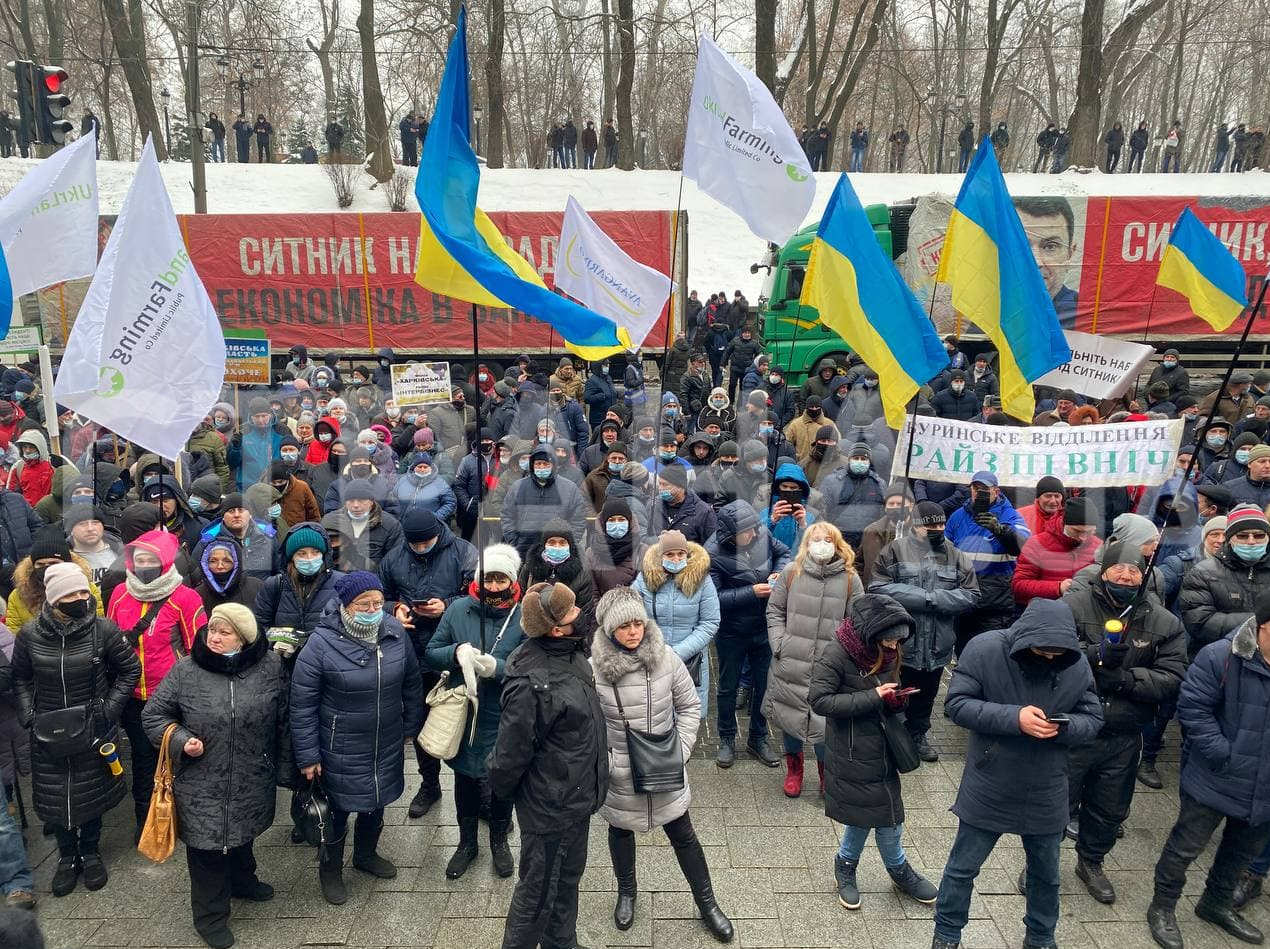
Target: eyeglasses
{"x": 1254, "y": 536}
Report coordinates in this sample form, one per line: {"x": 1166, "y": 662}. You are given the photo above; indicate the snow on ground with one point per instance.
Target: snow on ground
{"x": 720, "y": 247}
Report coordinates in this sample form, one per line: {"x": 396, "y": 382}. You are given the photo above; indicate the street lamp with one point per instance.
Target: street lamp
{"x": 477, "y": 113}
{"x": 167, "y": 123}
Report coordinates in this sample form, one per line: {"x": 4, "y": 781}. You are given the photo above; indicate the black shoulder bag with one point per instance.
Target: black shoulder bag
{"x": 657, "y": 761}
{"x": 67, "y": 732}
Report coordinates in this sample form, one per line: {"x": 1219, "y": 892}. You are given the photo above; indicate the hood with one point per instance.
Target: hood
{"x": 735, "y": 517}
{"x": 327, "y": 423}
{"x": 148, "y": 460}
{"x": 63, "y": 477}
{"x": 228, "y": 409}
{"x": 169, "y": 484}
{"x": 228, "y": 545}
{"x": 872, "y": 614}
{"x": 715, "y": 393}
{"x": 137, "y": 519}
{"x": 36, "y": 440}
{"x": 826, "y": 363}
{"x": 1045, "y": 624}
{"x": 539, "y": 453}
{"x": 100, "y": 477}
{"x": 160, "y": 543}
{"x": 788, "y": 471}
{"x": 612, "y": 662}
{"x": 689, "y": 579}
{"x": 701, "y": 438}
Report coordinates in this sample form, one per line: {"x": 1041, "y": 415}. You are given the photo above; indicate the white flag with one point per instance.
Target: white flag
{"x": 146, "y": 356}
{"x": 48, "y": 222}
{"x": 602, "y": 277}
{"x": 740, "y": 150}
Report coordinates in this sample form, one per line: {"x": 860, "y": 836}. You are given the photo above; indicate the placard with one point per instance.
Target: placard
{"x": 1102, "y": 367}
{"x": 420, "y": 383}
{"x": 247, "y": 361}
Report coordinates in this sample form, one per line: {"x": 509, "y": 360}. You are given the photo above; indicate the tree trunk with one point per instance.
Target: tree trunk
{"x": 330, "y": 27}
{"x": 765, "y": 42}
{"x": 606, "y": 63}
{"x": 1084, "y": 123}
{"x": 494, "y": 83}
{"x": 132, "y": 56}
{"x": 625, "y": 83}
{"x": 55, "y": 23}
{"x": 377, "y": 138}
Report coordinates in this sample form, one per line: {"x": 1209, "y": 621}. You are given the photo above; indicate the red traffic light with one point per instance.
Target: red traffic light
{"x": 54, "y": 77}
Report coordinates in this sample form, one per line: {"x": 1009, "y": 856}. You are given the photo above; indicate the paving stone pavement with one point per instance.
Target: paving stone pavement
{"x": 770, "y": 858}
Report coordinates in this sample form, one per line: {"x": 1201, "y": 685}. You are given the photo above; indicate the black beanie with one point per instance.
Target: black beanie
{"x": 50, "y": 542}
{"x": 928, "y": 514}
{"x": 1049, "y": 485}
{"x": 1079, "y": 512}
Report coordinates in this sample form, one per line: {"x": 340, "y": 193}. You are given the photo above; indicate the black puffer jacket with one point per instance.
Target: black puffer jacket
{"x": 60, "y": 665}
{"x": 1217, "y": 596}
{"x": 862, "y": 785}
{"x": 551, "y": 755}
{"x": 237, "y": 706}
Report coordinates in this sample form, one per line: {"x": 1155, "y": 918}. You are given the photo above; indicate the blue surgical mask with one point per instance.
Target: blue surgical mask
{"x": 666, "y": 455}
{"x": 410, "y": 418}
{"x": 671, "y": 412}
{"x": 858, "y": 467}
{"x": 542, "y": 474}
{"x": 289, "y": 457}
{"x": 870, "y": 383}
{"x": 666, "y": 494}
{"x": 616, "y": 469}
{"x": 556, "y": 555}
{"x": 358, "y": 517}
{"x": 369, "y": 619}
{"x": 1241, "y": 456}
{"x": 1249, "y": 553}
{"x": 758, "y": 467}
{"x": 308, "y": 568}
{"x": 673, "y": 566}
{"x": 1215, "y": 441}
{"x": 1170, "y": 364}
{"x": 617, "y": 529}
{"x": 524, "y": 463}
{"x": 274, "y": 512}
{"x": 605, "y": 369}
{"x": 195, "y": 502}
{"x": 544, "y": 439}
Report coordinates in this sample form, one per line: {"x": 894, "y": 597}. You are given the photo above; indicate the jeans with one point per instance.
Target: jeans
{"x": 557, "y": 157}
{"x": 262, "y": 152}
{"x": 970, "y": 848}
{"x": 857, "y": 159}
{"x": 15, "y": 872}
{"x": 610, "y": 156}
{"x": 214, "y": 877}
{"x": 963, "y": 160}
{"x": 917, "y": 711}
{"x": 1153, "y": 733}
{"x": 544, "y": 907}
{"x": 218, "y": 149}
{"x": 1135, "y": 160}
{"x": 1101, "y": 775}
{"x": 733, "y": 651}
{"x": 588, "y": 159}
{"x": 887, "y": 839}
{"x": 1060, "y": 163}
{"x": 1171, "y": 157}
{"x": 1042, "y": 160}
{"x": 145, "y": 758}
{"x": 794, "y": 746}
{"x": 1195, "y": 826}
{"x": 1220, "y": 160}
{"x": 571, "y": 156}
{"x": 1113, "y": 159}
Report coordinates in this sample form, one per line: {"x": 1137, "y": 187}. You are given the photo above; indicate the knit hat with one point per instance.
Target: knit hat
{"x": 78, "y": 513}
{"x": 50, "y": 542}
{"x": 669, "y": 398}
{"x": 1246, "y": 517}
{"x": 499, "y": 558}
{"x": 827, "y": 433}
{"x": 1134, "y": 529}
{"x": 352, "y": 585}
{"x": 674, "y": 474}
{"x": 1079, "y": 512}
{"x": 304, "y": 535}
{"x": 928, "y": 514}
{"x": 1246, "y": 440}
{"x": 634, "y": 473}
{"x": 424, "y": 436}
{"x": 1260, "y": 451}
{"x": 619, "y": 447}
{"x": 1183, "y": 402}
{"x": 860, "y": 449}
{"x": 757, "y": 398}
{"x": 63, "y": 579}
{"x": 420, "y": 458}
{"x": 672, "y": 540}
{"x": 729, "y": 448}
{"x": 259, "y": 405}
{"x": 503, "y": 389}
{"x": 239, "y": 617}
{"x": 753, "y": 450}
{"x": 419, "y": 524}
{"x": 358, "y": 489}
{"x": 546, "y": 605}
{"x": 898, "y": 489}
{"x": 1122, "y": 551}
{"x": 232, "y": 501}
{"x": 619, "y": 606}
{"x": 1049, "y": 485}
{"x": 1213, "y": 524}
{"x": 207, "y": 488}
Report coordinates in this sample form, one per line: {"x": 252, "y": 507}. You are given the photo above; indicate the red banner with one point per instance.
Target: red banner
{"x": 346, "y": 281}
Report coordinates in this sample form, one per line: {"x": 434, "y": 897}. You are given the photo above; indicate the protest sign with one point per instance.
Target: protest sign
{"x": 1086, "y": 456}
{"x": 247, "y": 360}
{"x": 1102, "y": 367}
{"x": 420, "y": 383}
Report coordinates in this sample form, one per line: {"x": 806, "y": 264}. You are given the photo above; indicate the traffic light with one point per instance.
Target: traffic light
{"x": 24, "y": 72}
{"x": 50, "y": 84}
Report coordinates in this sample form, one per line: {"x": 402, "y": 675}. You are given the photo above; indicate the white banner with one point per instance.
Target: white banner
{"x": 146, "y": 357}
{"x": 48, "y": 222}
{"x": 601, "y": 276}
{"x": 1102, "y": 367}
{"x": 420, "y": 383}
{"x": 1086, "y": 456}
{"x": 740, "y": 149}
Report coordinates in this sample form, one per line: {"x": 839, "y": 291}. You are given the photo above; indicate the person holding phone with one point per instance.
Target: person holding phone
{"x": 1015, "y": 777}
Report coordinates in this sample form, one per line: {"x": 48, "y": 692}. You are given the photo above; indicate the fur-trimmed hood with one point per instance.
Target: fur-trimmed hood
{"x": 689, "y": 579}
{"x": 31, "y": 593}
{"x": 612, "y": 663}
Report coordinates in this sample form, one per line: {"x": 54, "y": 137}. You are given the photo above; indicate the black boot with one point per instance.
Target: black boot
{"x": 622, "y": 853}
{"x": 466, "y": 851}
{"x": 91, "y": 868}
{"x": 1229, "y": 920}
{"x": 1249, "y": 889}
{"x": 331, "y": 872}
{"x": 498, "y": 848}
{"x": 427, "y": 795}
{"x": 67, "y": 872}
{"x": 1163, "y": 923}
{"x": 365, "y": 856}
{"x": 844, "y": 877}
{"x": 692, "y": 861}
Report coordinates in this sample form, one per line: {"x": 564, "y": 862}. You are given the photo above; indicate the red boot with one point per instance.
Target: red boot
{"x": 820, "y": 767}
{"x": 793, "y": 774}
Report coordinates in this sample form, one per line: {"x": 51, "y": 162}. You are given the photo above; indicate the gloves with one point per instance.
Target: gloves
{"x": 1111, "y": 655}
{"x": 465, "y": 656}
{"x": 485, "y": 665}
{"x": 989, "y": 522}
{"x": 1109, "y": 680}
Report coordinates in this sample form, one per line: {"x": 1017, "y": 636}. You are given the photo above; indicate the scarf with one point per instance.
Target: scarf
{"x": 866, "y": 656}
{"x": 156, "y": 589}
{"x": 365, "y": 633}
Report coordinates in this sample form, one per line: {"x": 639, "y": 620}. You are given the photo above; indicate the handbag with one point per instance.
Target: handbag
{"x": 314, "y": 815}
{"x": 900, "y": 744}
{"x": 447, "y": 711}
{"x": 657, "y": 761}
{"x": 158, "y": 836}
{"x": 66, "y": 732}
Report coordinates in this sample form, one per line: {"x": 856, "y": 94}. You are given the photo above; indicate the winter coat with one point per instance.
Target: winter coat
{"x": 1222, "y": 710}
{"x": 1247, "y": 491}
{"x": 735, "y": 570}
{"x": 657, "y": 695}
{"x": 237, "y": 706}
{"x": 598, "y": 559}
{"x": 353, "y": 705}
{"x": 1114, "y": 139}
{"x": 430, "y": 493}
{"x": 854, "y": 502}
{"x": 27, "y": 598}
{"x": 590, "y": 141}
{"x": 1046, "y": 560}
{"x": 259, "y": 553}
{"x": 675, "y": 366}
{"x": 1139, "y": 139}
{"x": 284, "y": 604}
{"x": 1217, "y": 596}
{"x": 299, "y": 503}
{"x": 163, "y": 640}
{"x": 600, "y": 395}
{"x": 467, "y": 485}
{"x": 1177, "y": 379}
{"x": 18, "y": 525}
{"x": 694, "y": 518}
{"x": 443, "y": 573}
{"x": 206, "y": 440}
{"x": 803, "y": 614}
{"x": 935, "y": 586}
{"x": 1013, "y": 783}
{"x": 381, "y": 534}
{"x": 530, "y": 505}
{"x": 58, "y": 666}
{"x": 496, "y": 632}
{"x": 685, "y": 605}
{"x": 962, "y": 406}
{"x": 550, "y": 757}
{"x": 993, "y": 556}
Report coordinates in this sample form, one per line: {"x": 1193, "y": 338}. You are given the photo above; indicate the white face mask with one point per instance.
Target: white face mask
{"x": 821, "y": 551}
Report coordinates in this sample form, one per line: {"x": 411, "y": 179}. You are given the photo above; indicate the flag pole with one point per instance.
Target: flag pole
{"x": 475, "y": 446}
{"x": 670, "y": 295}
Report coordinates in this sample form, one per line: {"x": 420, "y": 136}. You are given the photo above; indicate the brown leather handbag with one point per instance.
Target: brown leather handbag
{"x": 158, "y": 837}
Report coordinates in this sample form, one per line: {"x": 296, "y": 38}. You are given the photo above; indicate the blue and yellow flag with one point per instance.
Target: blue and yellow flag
{"x": 461, "y": 252}
{"x": 997, "y": 285}
{"x": 863, "y": 298}
{"x": 1201, "y": 268}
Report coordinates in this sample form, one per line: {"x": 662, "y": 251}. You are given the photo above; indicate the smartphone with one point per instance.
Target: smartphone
{"x": 982, "y": 503}
{"x": 1058, "y": 719}
{"x": 418, "y": 605}
{"x": 911, "y": 690}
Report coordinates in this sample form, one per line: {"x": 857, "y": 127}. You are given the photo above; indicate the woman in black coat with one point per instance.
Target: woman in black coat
{"x": 66, "y": 658}
{"x": 854, "y": 685}
{"x": 229, "y": 751}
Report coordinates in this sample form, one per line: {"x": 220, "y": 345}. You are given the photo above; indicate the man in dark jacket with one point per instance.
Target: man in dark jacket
{"x": 745, "y": 561}
{"x": 1137, "y": 653}
{"x": 1044, "y": 147}
{"x": 1223, "y": 708}
{"x": 477, "y": 476}
{"x": 551, "y": 759}
{"x": 1254, "y": 487}
{"x": 854, "y": 494}
{"x": 599, "y": 393}
{"x": 334, "y": 136}
{"x": 242, "y": 138}
{"x": 1008, "y": 687}
{"x": 1219, "y": 591}
{"x": 957, "y": 401}
{"x": 257, "y": 541}
{"x": 966, "y": 144}
{"x": 541, "y": 497}
{"x": 741, "y": 353}
{"x": 679, "y": 508}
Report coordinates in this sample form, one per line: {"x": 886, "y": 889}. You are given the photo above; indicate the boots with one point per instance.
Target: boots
{"x": 793, "y": 774}
{"x": 758, "y": 749}
{"x": 428, "y": 794}
{"x": 924, "y": 750}
{"x": 1229, "y": 920}
{"x": 1163, "y": 923}
{"x": 466, "y": 851}
{"x": 1148, "y": 775}
{"x": 914, "y": 884}
{"x": 622, "y": 853}
{"x": 365, "y": 856}
{"x": 692, "y": 861}
{"x": 498, "y": 849}
{"x": 331, "y": 872}
{"x": 91, "y": 867}
{"x": 727, "y": 753}
{"x": 820, "y": 770}
{"x": 67, "y": 874}
{"x": 1248, "y": 889}
{"x": 844, "y": 876}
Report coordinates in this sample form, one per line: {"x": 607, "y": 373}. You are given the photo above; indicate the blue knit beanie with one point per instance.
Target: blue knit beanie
{"x": 352, "y": 585}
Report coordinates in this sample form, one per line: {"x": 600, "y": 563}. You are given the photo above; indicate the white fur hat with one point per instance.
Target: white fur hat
{"x": 500, "y": 558}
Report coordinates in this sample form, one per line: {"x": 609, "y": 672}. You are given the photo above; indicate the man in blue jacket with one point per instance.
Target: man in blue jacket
{"x": 1008, "y": 689}
{"x": 1223, "y": 709}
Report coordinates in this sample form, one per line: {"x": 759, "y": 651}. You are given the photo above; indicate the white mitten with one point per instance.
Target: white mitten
{"x": 485, "y": 665}
{"x": 465, "y": 656}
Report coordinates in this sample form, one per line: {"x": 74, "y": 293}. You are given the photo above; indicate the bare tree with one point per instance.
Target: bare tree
{"x": 130, "y": 42}
{"x": 330, "y": 27}
{"x": 625, "y": 82}
{"x": 494, "y": 83}
{"x": 378, "y": 141}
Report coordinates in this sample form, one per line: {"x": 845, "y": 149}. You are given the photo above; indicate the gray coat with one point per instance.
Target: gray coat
{"x": 238, "y": 708}
{"x": 802, "y": 618}
{"x": 657, "y": 695}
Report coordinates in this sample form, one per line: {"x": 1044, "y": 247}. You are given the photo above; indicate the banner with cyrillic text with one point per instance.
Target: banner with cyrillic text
{"x": 1102, "y": 366}
{"x": 1087, "y": 456}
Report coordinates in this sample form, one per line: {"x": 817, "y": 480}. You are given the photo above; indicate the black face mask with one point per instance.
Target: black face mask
{"x": 496, "y": 597}
{"x": 815, "y": 413}
{"x": 818, "y": 452}
{"x": 935, "y": 539}
{"x": 76, "y": 609}
{"x": 458, "y": 404}
{"x": 147, "y": 574}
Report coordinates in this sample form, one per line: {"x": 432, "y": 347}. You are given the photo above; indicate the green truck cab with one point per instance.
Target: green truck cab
{"x": 792, "y": 333}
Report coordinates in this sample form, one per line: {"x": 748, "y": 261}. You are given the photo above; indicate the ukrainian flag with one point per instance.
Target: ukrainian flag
{"x": 996, "y": 285}
{"x": 863, "y": 298}
{"x": 1199, "y": 267}
{"x": 461, "y": 252}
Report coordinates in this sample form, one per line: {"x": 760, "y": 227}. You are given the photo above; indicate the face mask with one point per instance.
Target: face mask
{"x": 617, "y": 529}
{"x": 308, "y": 568}
{"x": 369, "y": 619}
{"x": 274, "y": 512}
{"x": 815, "y": 413}
{"x": 821, "y": 551}
{"x": 774, "y": 379}
{"x": 1122, "y": 593}
{"x": 765, "y": 430}
{"x": 496, "y": 596}
{"x": 958, "y": 387}
{"x": 673, "y": 566}
{"x": 556, "y": 555}
{"x": 605, "y": 369}
{"x": 870, "y": 383}
{"x": 1241, "y": 456}
{"x": 457, "y": 403}
{"x": 895, "y": 514}
{"x": 1249, "y": 553}
{"x": 758, "y": 467}
{"x": 646, "y": 439}
{"x": 557, "y": 397}
{"x": 290, "y": 458}
{"x": 483, "y": 377}
{"x": 423, "y": 475}
{"x": 147, "y": 574}
{"x": 325, "y": 437}
{"x": 524, "y": 464}
{"x": 1215, "y": 441}
{"x": 359, "y": 517}
{"x": 1170, "y": 364}
{"x": 424, "y": 548}
{"x": 393, "y": 412}
{"x": 542, "y": 474}
{"x": 666, "y": 456}
{"x": 410, "y": 419}
{"x": 544, "y": 439}
{"x": 935, "y": 538}
{"x": 76, "y": 609}
{"x": 369, "y": 446}
{"x": 666, "y": 495}
{"x": 718, "y": 403}
{"x": 1191, "y": 416}
{"x": 30, "y": 456}
{"x": 858, "y": 467}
